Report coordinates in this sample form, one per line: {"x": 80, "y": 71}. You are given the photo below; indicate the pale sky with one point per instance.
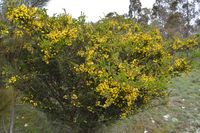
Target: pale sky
{"x": 93, "y": 9}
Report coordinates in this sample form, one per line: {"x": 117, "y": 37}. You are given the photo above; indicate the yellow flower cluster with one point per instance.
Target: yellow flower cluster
{"x": 32, "y": 21}
{"x": 65, "y": 97}
{"x": 181, "y": 64}
{"x": 35, "y": 104}
{"x": 37, "y": 25}
{"x": 46, "y": 56}
{"x": 13, "y": 79}
{"x": 131, "y": 94}
{"x": 145, "y": 43}
{"x": 108, "y": 89}
{"x": 21, "y": 13}
{"x": 113, "y": 23}
{"x": 178, "y": 62}
{"x": 147, "y": 79}
{"x": 120, "y": 80}
{"x": 74, "y": 99}
{"x": 18, "y": 33}
{"x": 4, "y": 32}
{"x": 185, "y": 44}
{"x": 90, "y": 109}
{"x": 67, "y": 34}
{"x": 28, "y": 47}
{"x": 131, "y": 70}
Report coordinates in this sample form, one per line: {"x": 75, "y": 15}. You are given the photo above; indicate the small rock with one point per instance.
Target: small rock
{"x": 174, "y": 119}
{"x": 166, "y": 117}
{"x": 145, "y": 131}
{"x": 25, "y": 125}
{"x": 183, "y": 107}
{"x": 152, "y": 120}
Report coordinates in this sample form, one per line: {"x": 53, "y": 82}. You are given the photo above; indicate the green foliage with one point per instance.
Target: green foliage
{"x": 82, "y": 73}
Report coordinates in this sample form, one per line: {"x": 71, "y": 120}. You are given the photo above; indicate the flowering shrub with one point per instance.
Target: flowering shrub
{"x": 89, "y": 73}
{"x": 188, "y": 44}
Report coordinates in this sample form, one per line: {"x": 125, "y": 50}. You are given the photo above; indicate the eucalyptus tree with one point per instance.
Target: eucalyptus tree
{"x": 135, "y": 8}
{"x": 187, "y": 8}
{"x": 160, "y": 14}
{"x": 145, "y": 16}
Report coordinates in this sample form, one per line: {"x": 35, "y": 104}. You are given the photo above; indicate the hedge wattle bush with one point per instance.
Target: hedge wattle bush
{"x": 84, "y": 73}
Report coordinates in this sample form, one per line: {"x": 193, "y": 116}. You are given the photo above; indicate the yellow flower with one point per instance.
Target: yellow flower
{"x": 65, "y": 97}
{"x": 13, "y": 79}
{"x": 74, "y": 97}
{"x": 35, "y": 104}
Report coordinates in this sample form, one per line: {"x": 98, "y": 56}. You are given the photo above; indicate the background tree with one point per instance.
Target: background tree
{"x": 174, "y": 25}
{"x": 159, "y": 13}
{"x": 197, "y": 26}
{"x": 176, "y": 17}
{"x": 188, "y": 11}
{"x": 135, "y": 8}
{"x": 145, "y": 16}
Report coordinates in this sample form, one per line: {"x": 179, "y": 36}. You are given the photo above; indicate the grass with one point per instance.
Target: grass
{"x": 29, "y": 120}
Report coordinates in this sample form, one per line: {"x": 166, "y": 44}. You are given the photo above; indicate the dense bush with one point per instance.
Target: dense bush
{"x": 85, "y": 73}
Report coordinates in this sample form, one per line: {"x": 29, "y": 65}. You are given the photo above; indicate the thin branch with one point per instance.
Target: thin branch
{"x": 37, "y": 3}
{"x": 12, "y": 113}
{"x": 4, "y": 126}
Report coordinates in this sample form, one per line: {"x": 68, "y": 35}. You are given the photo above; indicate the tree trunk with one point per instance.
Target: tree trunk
{"x": 4, "y": 125}
{"x": 188, "y": 19}
{"x": 12, "y": 114}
